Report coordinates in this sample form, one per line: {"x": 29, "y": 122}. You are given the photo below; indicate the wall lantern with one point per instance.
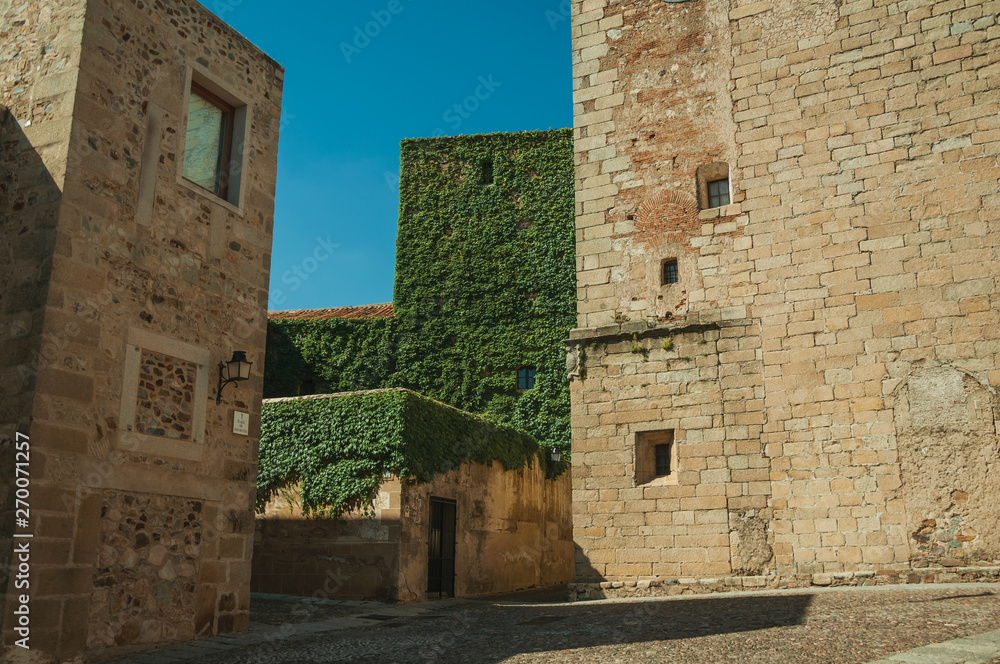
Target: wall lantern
{"x": 233, "y": 371}
{"x": 556, "y": 455}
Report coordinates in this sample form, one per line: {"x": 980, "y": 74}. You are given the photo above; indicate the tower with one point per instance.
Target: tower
{"x": 139, "y": 157}
{"x": 788, "y": 217}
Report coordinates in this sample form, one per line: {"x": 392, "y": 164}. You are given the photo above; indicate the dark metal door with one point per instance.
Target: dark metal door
{"x": 441, "y": 549}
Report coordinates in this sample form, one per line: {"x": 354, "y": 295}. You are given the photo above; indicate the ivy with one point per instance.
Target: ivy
{"x": 485, "y": 284}
{"x": 337, "y": 354}
{"x": 485, "y": 275}
{"x": 339, "y": 448}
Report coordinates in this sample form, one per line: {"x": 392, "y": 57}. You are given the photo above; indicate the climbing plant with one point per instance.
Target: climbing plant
{"x": 485, "y": 275}
{"x": 336, "y": 355}
{"x": 485, "y": 284}
{"x": 339, "y": 448}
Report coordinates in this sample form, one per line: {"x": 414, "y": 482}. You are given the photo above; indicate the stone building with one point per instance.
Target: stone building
{"x": 786, "y": 358}
{"x": 139, "y": 146}
{"x": 472, "y": 529}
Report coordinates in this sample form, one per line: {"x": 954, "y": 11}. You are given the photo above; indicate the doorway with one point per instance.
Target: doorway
{"x": 441, "y": 549}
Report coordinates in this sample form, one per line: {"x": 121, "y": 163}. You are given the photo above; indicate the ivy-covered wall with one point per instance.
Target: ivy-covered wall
{"x": 485, "y": 284}
{"x": 335, "y": 354}
{"x": 486, "y": 275}
{"x": 339, "y": 447}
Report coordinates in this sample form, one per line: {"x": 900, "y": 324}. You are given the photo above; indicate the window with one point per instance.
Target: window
{"x": 487, "y": 171}
{"x": 526, "y": 378}
{"x": 307, "y": 387}
{"x": 718, "y": 193}
{"x": 655, "y": 457}
{"x": 712, "y": 181}
{"x": 208, "y": 144}
{"x": 662, "y": 454}
{"x": 670, "y": 273}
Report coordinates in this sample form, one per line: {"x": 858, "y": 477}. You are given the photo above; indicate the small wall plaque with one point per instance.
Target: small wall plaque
{"x": 241, "y": 423}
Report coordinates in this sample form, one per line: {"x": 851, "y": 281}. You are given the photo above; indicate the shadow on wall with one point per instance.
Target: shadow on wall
{"x": 326, "y": 558}
{"x": 585, "y": 572}
{"x": 29, "y": 209}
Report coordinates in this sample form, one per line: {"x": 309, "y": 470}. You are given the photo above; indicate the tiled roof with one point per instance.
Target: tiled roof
{"x": 363, "y": 311}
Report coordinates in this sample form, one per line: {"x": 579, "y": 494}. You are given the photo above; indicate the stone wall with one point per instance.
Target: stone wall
{"x": 39, "y": 58}
{"x": 847, "y": 425}
{"x": 355, "y": 556}
{"x": 512, "y": 532}
{"x": 143, "y": 264}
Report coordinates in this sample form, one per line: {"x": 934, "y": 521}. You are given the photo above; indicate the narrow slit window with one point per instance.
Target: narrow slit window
{"x": 670, "y": 273}
{"x": 487, "y": 170}
{"x": 662, "y": 460}
{"x": 526, "y": 378}
{"x": 718, "y": 193}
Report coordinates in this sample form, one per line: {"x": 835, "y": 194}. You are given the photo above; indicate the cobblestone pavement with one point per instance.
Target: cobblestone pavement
{"x": 829, "y": 626}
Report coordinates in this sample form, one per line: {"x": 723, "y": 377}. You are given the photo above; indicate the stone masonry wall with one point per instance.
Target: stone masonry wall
{"x": 146, "y": 582}
{"x": 858, "y": 256}
{"x": 145, "y": 263}
{"x": 512, "y": 530}
{"x": 39, "y": 56}
{"x": 355, "y": 556}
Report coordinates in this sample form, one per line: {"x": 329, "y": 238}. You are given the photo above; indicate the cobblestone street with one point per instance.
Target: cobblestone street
{"x": 830, "y": 626}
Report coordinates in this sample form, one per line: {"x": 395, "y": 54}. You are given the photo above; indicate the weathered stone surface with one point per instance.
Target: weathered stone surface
{"x": 847, "y": 397}
{"x": 114, "y": 269}
{"x": 513, "y": 531}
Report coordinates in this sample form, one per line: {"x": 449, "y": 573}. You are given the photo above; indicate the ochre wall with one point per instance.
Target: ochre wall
{"x": 846, "y": 292}
{"x": 513, "y": 530}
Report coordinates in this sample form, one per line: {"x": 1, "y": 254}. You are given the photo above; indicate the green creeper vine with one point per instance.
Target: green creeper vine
{"x": 339, "y": 448}
{"x": 485, "y": 284}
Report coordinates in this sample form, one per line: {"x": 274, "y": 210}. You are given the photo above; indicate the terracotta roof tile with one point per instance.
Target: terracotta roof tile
{"x": 362, "y": 311}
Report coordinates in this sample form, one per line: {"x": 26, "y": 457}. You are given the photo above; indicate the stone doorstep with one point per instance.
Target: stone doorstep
{"x": 859, "y": 578}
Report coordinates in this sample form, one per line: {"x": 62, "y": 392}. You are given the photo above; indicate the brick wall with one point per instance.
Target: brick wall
{"x": 857, "y": 255}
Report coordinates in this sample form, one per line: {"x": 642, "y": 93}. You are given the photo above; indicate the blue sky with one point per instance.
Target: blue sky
{"x": 361, "y": 76}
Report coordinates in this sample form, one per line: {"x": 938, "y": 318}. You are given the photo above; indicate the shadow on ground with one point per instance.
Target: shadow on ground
{"x": 493, "y": 631}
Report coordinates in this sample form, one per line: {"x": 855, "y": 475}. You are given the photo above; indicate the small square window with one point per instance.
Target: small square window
{"x": 208, "y": 141}
{"x": 655, "y": 457}
{"x": 718, "y": 193}
{"x": 526, "y": 378}
{"x": 670, "y": 273}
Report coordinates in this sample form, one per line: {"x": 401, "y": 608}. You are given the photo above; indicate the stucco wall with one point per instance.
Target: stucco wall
{"x": 355, "y": 556}
{"x": 513, "y": 531}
